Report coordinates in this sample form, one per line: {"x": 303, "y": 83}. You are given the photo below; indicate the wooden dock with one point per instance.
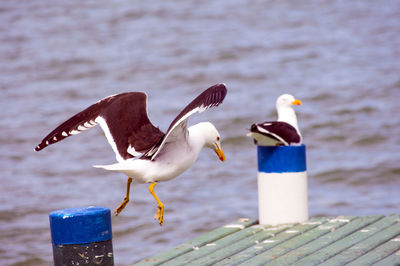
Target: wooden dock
{"x": 320, "y": 241}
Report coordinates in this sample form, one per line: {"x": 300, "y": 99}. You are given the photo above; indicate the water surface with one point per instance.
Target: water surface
{"x": 340, "y": 58}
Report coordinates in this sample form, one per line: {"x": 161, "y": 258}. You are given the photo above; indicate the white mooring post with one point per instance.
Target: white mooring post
{"x": 282, "y": 184}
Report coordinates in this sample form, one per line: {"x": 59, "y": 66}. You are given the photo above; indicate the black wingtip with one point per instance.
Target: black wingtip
{"x": 253, "y": 128}
{"x": 39, "y": 147}
{"x": 221, "y": 89}
{"x": 221, "y": 86}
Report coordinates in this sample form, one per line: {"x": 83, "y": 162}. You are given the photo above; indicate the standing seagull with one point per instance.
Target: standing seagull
{"x": 144, "y": 153}
{"x": 285, "y": 131}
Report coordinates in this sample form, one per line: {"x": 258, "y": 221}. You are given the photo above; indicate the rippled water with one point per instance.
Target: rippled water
{"x": 341, "y": 58}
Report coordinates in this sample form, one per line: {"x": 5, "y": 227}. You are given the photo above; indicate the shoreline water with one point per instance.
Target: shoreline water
{"x": 340, "y": 59}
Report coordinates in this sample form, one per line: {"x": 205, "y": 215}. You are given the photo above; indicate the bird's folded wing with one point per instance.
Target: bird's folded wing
{"x": 281, "y": 131}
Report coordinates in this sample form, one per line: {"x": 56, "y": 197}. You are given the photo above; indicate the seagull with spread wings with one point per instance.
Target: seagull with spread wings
{"x": 143, "y": 152}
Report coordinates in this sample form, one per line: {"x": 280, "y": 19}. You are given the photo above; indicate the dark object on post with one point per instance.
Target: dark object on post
{"x": 82, "y": 236}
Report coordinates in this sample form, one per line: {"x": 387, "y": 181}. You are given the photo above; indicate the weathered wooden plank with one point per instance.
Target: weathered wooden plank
{"x": 325, "y": 240}
{"x": 382, "y": 235}
{"x": 391, "y": 260}
{"x": 212, "y": 247}
{"x": 220, "y": 254}
{"x": 379, "y": 253}
{"x": 264, "y": 255}
{"x": 198, "y": 242}
{"x": 346, "y": 242}
{"x": 248, "y": 254}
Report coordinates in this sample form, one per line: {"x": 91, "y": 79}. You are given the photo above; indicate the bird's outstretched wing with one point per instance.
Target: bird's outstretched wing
{"x": 124, "y": 120}
{"x": 212, "y": 96}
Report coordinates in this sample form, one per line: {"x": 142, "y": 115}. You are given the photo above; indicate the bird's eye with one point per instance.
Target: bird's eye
{"x": 218, "y": 138}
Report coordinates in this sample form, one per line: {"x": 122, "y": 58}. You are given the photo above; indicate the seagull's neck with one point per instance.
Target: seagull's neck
{"x": 287, "y": 114}
{"x": 196, "y": 139}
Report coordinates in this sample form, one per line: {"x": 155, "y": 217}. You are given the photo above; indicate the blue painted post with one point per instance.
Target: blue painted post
{"x": 282, "y": 184}
{"x": 82, "y": 236}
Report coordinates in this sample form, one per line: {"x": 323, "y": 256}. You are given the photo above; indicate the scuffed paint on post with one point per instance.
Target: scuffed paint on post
{"x": 82, "y": 236}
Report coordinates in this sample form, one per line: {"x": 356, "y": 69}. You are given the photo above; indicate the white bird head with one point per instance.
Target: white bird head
{"x": 211, "y": 137}
{"x": 284, "y": 107}
{"x": 286, "y": 100}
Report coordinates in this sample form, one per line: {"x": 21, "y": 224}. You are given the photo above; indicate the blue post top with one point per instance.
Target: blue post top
{"x": 281, "y": 159}
{"x": 80, "y": 225}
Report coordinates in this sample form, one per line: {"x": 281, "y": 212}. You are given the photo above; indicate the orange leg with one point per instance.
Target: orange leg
{"x": 126, "y": 199}
{"x": 160, "y": 211}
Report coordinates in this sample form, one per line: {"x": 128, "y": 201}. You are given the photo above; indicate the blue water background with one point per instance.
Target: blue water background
{"x": 340, "y": 58}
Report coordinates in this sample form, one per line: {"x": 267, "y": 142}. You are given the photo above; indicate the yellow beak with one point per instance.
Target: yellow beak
{"x": 296, "y": 102}
{"x": 219, "y": 152}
